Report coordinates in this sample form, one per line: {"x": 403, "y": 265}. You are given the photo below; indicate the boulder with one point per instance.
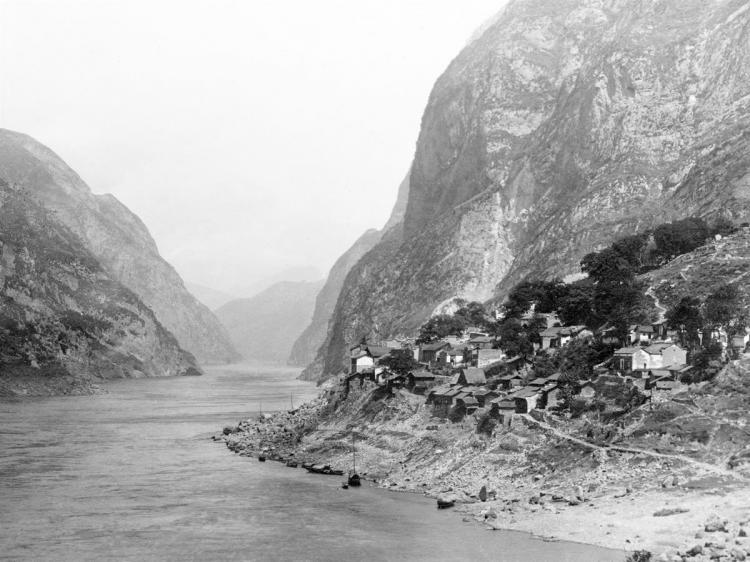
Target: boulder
{"x": 715, "y": 524}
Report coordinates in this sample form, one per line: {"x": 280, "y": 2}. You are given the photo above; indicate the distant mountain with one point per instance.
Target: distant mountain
{"x": 293, "y": 274}
{"x": 265, "y": 326}
{"x": 212, "y": 298}
{"x": 305, "y": 349}
{"x": 65, "y": 322}
{"x": 118, "y": 240}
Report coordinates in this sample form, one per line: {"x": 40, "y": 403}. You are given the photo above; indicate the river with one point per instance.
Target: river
{"x": 132, "y": 475}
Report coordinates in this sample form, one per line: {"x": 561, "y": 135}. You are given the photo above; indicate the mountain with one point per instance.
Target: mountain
{"x": 64, "y": 321}
{"x": 118, "y": 240}
{"x": 212, "y": 298}
{"x": 294, "y": 274}
{"x": 306, "y": 346}
{"x": 265, "y": 326}
{"x": 565, "y": 125}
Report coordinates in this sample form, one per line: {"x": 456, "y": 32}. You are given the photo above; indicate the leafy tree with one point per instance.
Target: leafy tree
{"x": 550, "y": 293}
{"x": 400, "y": 361}
{"x": 441, "y": 326}
{"x": 514, "y": 339}
{"x": 680, "y": 237}
{"x": 534, "y": 327}
{"x": 686, "y": 315}
{"x": 576, "y": 306}
{"x": 544, "y": 365}
{"x": 520, "y": 299}
{"x": 577, "y": 359}
{"x": 723, "y": 305}
{"x": 472, "y": 314}
{"x": 608, "y": 267}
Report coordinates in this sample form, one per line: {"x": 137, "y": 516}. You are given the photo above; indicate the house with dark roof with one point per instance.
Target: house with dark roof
{"x": 511, "y": 380}
{"x": 364, "y": 356}
{"x": 559, "y": 336}
{"x": 472, "y": 375}
{"x": 526, "y": 399}
{"x": 428, "y": 352}
{"x": 641, "y": 333}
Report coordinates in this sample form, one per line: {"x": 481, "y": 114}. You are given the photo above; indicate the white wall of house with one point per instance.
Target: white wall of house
{"x": 363, "y": 363}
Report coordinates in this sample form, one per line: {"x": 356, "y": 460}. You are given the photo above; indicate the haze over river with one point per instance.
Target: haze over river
{"x": 132, "y": 475}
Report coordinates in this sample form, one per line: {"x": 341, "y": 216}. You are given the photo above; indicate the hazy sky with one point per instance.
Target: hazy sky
{"x": 249, "y": 136}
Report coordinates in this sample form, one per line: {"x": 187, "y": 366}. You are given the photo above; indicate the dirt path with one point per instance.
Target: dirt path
{"x": 662, "y": 311}
{"x": 698, "y": 464}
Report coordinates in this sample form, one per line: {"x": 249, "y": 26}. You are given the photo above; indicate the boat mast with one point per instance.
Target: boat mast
{"x": 354, "y": 454}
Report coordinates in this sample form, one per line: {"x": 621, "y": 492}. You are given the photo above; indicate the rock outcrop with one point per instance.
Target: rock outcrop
{"x": 566, "y": 124}
{"x": 264, "y": 327}
{"x": 65, "y": 323}
{"x": 118, "y": 240}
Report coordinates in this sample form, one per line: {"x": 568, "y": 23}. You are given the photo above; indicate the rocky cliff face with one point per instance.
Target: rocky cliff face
{"x": 304, "y": 351}
{"x": 566, "y": 124}
{"x": 117, "y": 239}
{"x": 64, "y": 321}
{"x": 264, "y": 327}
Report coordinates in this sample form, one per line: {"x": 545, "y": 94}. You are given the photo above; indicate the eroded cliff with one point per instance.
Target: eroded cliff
{"x": 566, "y": 124}
{"x": 117, "y": 239}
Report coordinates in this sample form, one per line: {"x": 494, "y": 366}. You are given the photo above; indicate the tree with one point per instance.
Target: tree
{"x": 577, "y": 359}
{"x": 723, "y": 306}
{"x": 472, "y": 314}
{"x": 608, "y": 267}
{"x": 400, "y": 361}
{"x": 686, "y": 315}
{"x": 576, "y": 306}
{"x": 520, "y": 299}
{"x": 440, "y": 326}
{"x": 680, "y": 237}
{"x": 513, "y": 338}
{"x": 722, "y": 225}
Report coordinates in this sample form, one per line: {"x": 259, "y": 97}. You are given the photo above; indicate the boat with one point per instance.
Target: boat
{"x": 291, "y": 464}
{"x": 336, "y": 472}
{"x": 444, "y": 503}
{"x": 354, "y": 479}
{"x": 345, "y": 486}
{"x": 262, "y": 458}
{"x": 319, "y": 469}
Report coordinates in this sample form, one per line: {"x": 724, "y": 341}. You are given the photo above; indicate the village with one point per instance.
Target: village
{"x": 467, "y": 373}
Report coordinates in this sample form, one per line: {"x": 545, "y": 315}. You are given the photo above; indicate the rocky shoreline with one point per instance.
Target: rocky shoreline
{"x": 534, "y": 481}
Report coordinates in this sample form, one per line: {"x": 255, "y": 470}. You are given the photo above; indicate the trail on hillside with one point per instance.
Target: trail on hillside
{"x": 662, "y": 311}
{"x": 705, "y": 466}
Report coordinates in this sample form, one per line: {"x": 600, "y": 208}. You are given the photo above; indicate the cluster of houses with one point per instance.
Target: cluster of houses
{"x": 459, "y": 375}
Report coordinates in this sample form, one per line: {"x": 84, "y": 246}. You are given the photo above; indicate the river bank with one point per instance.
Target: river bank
{"x": 537, "y": 481}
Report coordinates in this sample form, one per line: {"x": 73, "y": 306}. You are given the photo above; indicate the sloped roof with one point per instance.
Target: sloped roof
{"x": 378, "y": 351}
{"x": 422, "y": 374}
{"x": 539, "y": 381}
{"x": 526, "y": 392}
{"x": 434, "y": 346}
{"x": 469, "y": 401}
{"x": 482, "y": 339}
{"x": 657, "y": 348}
{"x": 475, "y": 375}
{"x": 627, "y": 350}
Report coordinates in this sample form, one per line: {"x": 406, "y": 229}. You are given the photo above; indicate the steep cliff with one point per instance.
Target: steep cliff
{"x": 117, "y": 239}
{"x": 264, "y": 327}
{"x": 566, "y": 124}
{"x": 64, "y": 322}
{"x": 305, "y": 348}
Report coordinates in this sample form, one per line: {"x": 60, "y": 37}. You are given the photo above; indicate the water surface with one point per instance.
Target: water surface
{"x": 132, "y": 475}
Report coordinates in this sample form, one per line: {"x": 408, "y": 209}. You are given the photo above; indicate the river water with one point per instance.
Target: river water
{"x": 132, "y": 475}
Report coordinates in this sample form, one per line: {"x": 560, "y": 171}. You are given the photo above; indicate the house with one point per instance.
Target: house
{"x": 503, "y": 409}
{"x": 556, "y": 337}
{"x": 451, "y": 356}
{"x": 608, "y": 335}
{"x": 666, "y": 354}
{"x": 716, "y": 334}
{"x": 511, "y": 380}
{"x": 740, "y": 341}
{"x": 456, "y": 341}
{"x": 526, "y": 399}
{"x": 551, "y": 395}
{"x": 629, "y": 358}
{"x": 443, "y": 401}
{"x": 363, "y": 356}
{"x": 481, "y": 342}
{"x": 472, "y": 375}
{"x": 437, "y": 390}
{"x": 418, "y": 381}
{"x": 466, "y": 404}
{"x": 486, "y": 357}
{"x": 428, "y": 352}
{"x": 484, "y": 396}
{"x": 643, "y": 333}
